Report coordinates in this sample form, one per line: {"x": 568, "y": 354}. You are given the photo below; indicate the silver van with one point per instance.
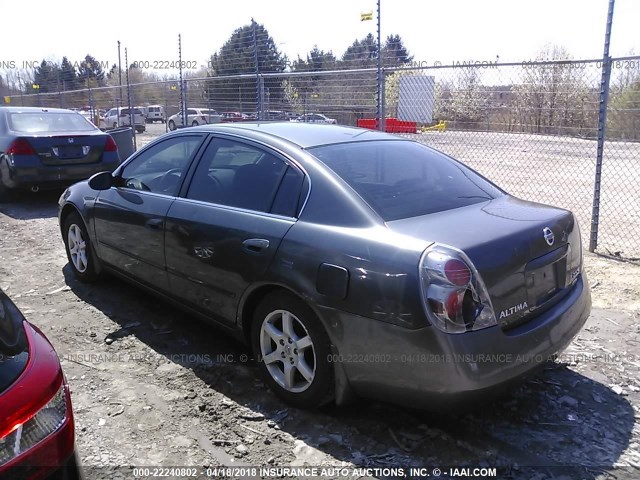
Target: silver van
{"x": 156, "y": 113}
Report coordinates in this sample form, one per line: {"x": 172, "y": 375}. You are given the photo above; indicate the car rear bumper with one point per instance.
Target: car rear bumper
{"x": 427, "y": 368}
{"x": 51, "y": 176}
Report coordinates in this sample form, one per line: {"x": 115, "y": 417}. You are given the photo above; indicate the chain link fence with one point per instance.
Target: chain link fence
{"x": 531, "y": 127}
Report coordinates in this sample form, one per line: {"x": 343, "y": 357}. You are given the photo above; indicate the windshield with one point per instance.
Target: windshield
{"x": 402, "y": 179}
{"x": 40, "y": 122}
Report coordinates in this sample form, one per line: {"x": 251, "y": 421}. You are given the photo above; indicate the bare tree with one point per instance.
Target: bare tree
{"x": 552, "y": 95}
{"x": 468, "y": 101}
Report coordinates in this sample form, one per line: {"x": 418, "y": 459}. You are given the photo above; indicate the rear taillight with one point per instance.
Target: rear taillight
{"x": 454, "y": 296}
{"x": 457, "y": 272}
{"x": 574, "y": 255}
{"x": 110, "y": 145}
{"x": 20, "y": 146}
{"x": 29, "y": 431}
{"x": 204, "y": 118}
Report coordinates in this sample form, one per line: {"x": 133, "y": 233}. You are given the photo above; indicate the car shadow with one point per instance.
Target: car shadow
{"x": 559, "y": 422}
{"x": 32, "y": 205}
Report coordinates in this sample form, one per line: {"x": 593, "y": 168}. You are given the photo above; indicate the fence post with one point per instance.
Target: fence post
{"x": 259, "y": 85}
{"x": 383, "y": 100}
{"x": 602, "y": 120}
{"x": 131, "y": 121}
{"x": 380, "y": 120}
{"x": 183, "y": 96}
{"x": 166, "y": 108}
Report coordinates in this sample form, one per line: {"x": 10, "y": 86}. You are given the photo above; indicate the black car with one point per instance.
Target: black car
{"x": 50, "y": 148}
{"x": 352, "y": 261}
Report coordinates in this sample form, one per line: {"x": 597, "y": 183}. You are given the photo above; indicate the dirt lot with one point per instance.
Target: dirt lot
{"x": 152, "y": 386}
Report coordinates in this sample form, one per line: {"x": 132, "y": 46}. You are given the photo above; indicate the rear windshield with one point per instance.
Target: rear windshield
{"x": 38, "y": 122}
{"x": 402, "y": 179}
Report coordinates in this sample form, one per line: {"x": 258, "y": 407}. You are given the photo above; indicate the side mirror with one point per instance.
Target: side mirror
{"x": 102, "y": 181}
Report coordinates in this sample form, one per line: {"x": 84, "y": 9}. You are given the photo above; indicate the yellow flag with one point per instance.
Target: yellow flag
{"x": 7, "y": 99}
{"x": 366, "y": 16}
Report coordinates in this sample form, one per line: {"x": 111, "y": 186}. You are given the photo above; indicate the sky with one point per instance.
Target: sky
{"x": 443, "y": 31}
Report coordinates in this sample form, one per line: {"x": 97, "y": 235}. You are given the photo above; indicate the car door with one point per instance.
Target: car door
{"x": 129, "y": 217}
{"x": 223, "y": 234}
{"x": 192, "y": 115}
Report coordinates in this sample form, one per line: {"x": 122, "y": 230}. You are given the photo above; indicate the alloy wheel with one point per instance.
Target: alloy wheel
{"x": 77, "y": 248}
{"x": 287, "y": 350}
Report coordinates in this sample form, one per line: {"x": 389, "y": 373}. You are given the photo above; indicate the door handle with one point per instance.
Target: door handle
{"x": 154, "y": 223}
{"x": 255, "y": 245}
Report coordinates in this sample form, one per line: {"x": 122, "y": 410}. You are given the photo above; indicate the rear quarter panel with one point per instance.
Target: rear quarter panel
{"x": 382, "y": 266}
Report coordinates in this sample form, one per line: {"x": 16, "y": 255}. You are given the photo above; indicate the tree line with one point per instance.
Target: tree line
{"x": 552, "y": 98}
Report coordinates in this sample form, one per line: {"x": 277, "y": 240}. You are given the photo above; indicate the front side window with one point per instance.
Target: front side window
{"x": 402, "y": 179}
{"x": 161, "y": 167}
{"x": 239, "y": 175}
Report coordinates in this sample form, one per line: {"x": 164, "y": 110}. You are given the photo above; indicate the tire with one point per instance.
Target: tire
{"x": 5, "y": 193}
{"x": 172, "y": 125}
{"x": 315, "y": 387}
{"x": 195, "y": 124}
{"x": 115, "y": 125}
{"x": 80, "y": 254}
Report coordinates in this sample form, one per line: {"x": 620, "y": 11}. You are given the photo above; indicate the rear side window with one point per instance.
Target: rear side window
{"x": 288, "y": 196}
{"x": 39, "y": 122}
{"x": 402, "y": 179}
{"x": 238, "y": 175}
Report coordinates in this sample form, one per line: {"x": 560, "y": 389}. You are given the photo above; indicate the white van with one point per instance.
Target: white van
{"x": 156, "y": 112}
{"x": 119, "y": 117}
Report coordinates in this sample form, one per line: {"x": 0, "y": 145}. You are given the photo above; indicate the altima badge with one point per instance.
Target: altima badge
{"x": 549, "y": 237}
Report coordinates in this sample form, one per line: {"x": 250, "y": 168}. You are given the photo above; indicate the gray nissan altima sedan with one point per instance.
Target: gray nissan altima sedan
{"x": 353, "y": 262}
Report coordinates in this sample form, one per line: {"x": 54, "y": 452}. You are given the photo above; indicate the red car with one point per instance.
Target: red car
{"x": 37, "y": 438}
{"x": 233, "y": 117}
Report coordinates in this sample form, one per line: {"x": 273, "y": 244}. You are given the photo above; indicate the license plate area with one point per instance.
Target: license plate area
{"x": 545, "y": 277}
{"x": 68, "y": 151}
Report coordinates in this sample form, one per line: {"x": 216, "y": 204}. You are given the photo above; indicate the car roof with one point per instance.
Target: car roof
{"x": 36, "y": 109}
{"x": 305, "y": 135}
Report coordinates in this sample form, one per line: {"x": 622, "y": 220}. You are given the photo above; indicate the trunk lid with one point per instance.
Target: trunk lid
{"x": 527, "y": 254}
{"x": 69, "y": 149}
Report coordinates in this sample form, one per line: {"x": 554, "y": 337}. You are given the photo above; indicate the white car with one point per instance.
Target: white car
{"x": 120, "y": 117}
{"x": 92, "y": 118}
{"x": 195, "y": 117}
{"x": 316, "y": 118}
